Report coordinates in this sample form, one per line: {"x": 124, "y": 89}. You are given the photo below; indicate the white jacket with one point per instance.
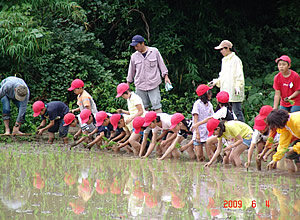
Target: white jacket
{"x": 231, "y": 77}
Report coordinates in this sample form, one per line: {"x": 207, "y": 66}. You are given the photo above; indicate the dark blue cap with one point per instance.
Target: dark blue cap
{"x": 137, "y": 39}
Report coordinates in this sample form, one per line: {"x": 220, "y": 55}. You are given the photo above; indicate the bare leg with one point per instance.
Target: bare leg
{"x": 199, "y": 152}
{"x": 210, "y": 146}
{"x": 6, "y": 124}
{"x": 191, "y": 152}
{"x": 51, "y": 138}
{"x": 235, "y": 155}
{"x": 134, "y": 141}
{"x": 176, "y": 153}
{"x": 66, "y": 140}
{"x": 16, "y": 130}
{"x": 259, "y": 147}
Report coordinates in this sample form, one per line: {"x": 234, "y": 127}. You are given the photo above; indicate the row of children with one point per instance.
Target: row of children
{"x": 131, "y": 128}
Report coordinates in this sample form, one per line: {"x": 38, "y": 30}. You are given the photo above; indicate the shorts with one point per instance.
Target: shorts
{"x": 247, "y": 142}
{"x": 59, "y": 127}
{"x": 150, "y": 96}
{"x": 195, "y": 143}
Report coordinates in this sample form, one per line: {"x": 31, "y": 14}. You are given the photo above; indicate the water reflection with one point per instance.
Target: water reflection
{"x": 54, "y": 183}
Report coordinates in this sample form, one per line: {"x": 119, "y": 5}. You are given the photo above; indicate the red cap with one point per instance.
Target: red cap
{"x": 264, "y": 111}
{"x": 114, "y": 120}
{"x": 37, "y": 108}
{"x": 175, "y": 119}
{"x": 201, "y": 89}
{"x": 137, "y": 124}
{"x": 121, "y": 88}
{"x": 77, "y": 83}
{"x": 284, "y": 58}
{"x": 69, "y": 118}
{"x": 85, "y": 115}
{"x": 100, "y": 117}
{"x": 259, "y": 124}
{"x": 149, "y": 118}
{"x": 223, "y": 97}
{"x": 211, "y": 125}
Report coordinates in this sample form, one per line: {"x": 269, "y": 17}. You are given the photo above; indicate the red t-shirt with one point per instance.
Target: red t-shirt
{"x": 287, "y": 86}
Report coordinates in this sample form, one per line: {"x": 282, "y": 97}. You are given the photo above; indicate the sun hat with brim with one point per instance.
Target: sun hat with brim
{"x": 85, "y": 115}
{"x": 68, "y": 119}
{"x": 264, "y": 112}
{"x": 37, "y": 108}
{"x": 77, "y": 83}
{"x": 21, "y": 93}
{"x": 100, "y": 117}
{"x": 202, "y": 89}
{"x": 175, "y": 119}
{"x": 211, "y": 125}
{"x": 149, "y": 118}
{"x": 121, "y": 88}
{"x": 224, "y": 43}
{"x": 114, "y": 120}
{"x": 284, "y": 58}
{"x": 259, "y": 124}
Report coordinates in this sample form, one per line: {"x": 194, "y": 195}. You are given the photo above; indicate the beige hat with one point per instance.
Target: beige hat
{"x": 224, "y": 43}
{"x": 21, "y": 92}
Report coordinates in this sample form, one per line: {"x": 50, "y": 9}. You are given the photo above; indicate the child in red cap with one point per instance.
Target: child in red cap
{"x": 287, "y": 86}
{"x": 157, "y": 122}
{"x": 55, "y": 112}
{"x": 259, "y": 139}
{"x": 237, "y": 130}
{"x": 137, "y": 134}
{"x": 182, "y": 126}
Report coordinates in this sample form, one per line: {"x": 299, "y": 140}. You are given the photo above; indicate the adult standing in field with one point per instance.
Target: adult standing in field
{"x": 231, "y": 78}
{"x": 145, "y": 67}
{"x": 15, "y": 89}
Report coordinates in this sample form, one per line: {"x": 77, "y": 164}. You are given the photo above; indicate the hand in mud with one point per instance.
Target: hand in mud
{"x": 258, "y": 157}
{"x": 247, "y": 164}
{"x": 40, "y": 131}
{"x": 271, "y": 165}
{"x": 207, "y": 164}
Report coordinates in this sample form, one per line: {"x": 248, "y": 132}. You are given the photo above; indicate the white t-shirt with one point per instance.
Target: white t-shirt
{"x": 221, "y": 113}
{"x": 165, "y": 121}
{"x": 257, "y": 137}
{"x": 132, "y": 102}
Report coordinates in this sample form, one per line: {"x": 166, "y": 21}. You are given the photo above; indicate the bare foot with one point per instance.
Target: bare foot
{"x": 7, "y": 133}
{"x": 17, "y": 133}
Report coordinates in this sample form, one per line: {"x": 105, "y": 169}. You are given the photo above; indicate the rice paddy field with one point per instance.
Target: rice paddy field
{"x": 40, "y": 181}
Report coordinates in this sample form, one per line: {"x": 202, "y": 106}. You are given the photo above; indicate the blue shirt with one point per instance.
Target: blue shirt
{"x": 55, "y": 110}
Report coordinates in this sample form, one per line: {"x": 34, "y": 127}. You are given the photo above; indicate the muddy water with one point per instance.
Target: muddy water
{"x": 49, "y": 182}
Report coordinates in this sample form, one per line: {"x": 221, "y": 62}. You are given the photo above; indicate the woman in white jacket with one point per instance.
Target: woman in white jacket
{"x": 231, "y": 78}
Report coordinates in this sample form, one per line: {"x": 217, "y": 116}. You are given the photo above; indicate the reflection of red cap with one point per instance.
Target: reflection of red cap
{"x": 77, "y": 207}
{"x": 284, "y": 58}
{"x": 138, "y": 193}
{"x": 69, "y": 180}
{"x": 176, "y": 201}
{"x": 211, "y": 125}
{"x": 85, "y": 115}
{"x": 201, "y": 89}
{"x": 223, "y": 97}
{"x": 137, "y": 124}
{"x": 38, "y": 182}
{"x": 100, "y": 117}
{"x": 150, "y": 201}
{"x": 175, "y": 119}
{"x": 114, "y": 188}
{"x": 69, "y": 118}
{"x": 264, "y": 111}
{"x": 114, "y": 120}
{"x": 211, "y": 206}
{"x": 259, "y": 124}
{"x": 149, "y": 118}
{"x": 37, "y": 108}
{"x": 100, "y": 187}
{"x": 77, "y": 83}
{"x": 121, "y": 88}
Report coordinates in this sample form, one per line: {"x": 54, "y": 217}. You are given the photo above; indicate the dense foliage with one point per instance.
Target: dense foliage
{"x": 51, "y": 42}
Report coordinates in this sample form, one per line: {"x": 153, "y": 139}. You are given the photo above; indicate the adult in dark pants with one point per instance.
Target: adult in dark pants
{"x": 14, "y": 89}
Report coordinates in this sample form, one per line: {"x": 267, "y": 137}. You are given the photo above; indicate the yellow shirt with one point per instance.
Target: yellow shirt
{"x": 132, "y": 102}
{"x": 291, "y": 129}
{"x": 235, "y": 128}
